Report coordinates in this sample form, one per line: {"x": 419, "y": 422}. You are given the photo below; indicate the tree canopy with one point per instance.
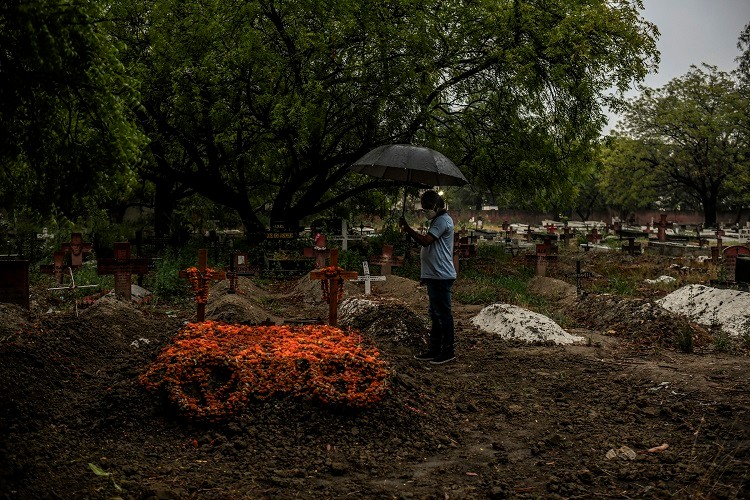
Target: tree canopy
{"x": 687, "y": 138}
{"x": 67, "y": 134}
{"x": 266, "y": 103}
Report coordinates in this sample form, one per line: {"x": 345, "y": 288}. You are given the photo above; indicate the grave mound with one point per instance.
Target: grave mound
{"x": 14, "y": 319}
{"x": 122, "y": 318}
{"x": 708, "y": 306}
{"x": 516, "y": 323}
{"x": 234, "y": 308}
{"x": 384, "y": 318}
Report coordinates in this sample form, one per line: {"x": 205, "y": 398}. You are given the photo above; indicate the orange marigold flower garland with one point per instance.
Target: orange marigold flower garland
{"x": 213, "y": 370}
{"x": 332, "y": 272}
{"x": 200, "y": 283}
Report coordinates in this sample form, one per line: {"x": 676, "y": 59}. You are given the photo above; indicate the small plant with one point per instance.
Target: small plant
{"x": 684, "y": 340}
{"x": 722, "y": 342}
{"x": 745, "y": 338}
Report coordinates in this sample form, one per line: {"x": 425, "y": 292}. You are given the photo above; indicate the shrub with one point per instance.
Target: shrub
{"x": 214, "y": 370}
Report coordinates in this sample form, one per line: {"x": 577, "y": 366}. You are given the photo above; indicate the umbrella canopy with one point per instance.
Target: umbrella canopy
{"x": 410, "y": 164}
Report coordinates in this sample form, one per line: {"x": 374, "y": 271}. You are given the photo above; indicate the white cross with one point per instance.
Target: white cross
{"x": 44, "y": 235}
{"x": 345, "y": 237}
{"x": 366, "y": 278}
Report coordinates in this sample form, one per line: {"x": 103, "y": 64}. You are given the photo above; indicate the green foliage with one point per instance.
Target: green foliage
{"x": 684, "y": 340}
{"x": 165, "y": 281}
{"x": 722, "y": 342}
{"x": 489, "y": 278}
{"x": 688, "y": 139}
{"x": 257, "y": 104}
{"x": 66, "y": 133}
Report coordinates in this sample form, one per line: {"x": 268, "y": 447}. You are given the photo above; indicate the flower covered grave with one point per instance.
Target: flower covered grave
{"x": 214, "y": 370}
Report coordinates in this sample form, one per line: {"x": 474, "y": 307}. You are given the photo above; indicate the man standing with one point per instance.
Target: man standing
{"x": 438, "y": 274}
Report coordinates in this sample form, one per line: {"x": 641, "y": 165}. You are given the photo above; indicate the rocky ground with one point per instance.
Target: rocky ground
{"x": 621, "y": 414}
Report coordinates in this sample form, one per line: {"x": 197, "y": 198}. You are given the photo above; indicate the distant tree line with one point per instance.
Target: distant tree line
{"x": 253, "y": 111}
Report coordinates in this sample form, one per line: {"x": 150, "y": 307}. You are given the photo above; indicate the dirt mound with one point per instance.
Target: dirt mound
{"x": 638, "y": 321}
{"x": 235, "y": 308}
{"x": 385, "y": 318}
{"x": 15, "y": 319}
{"x": 122, "y": 318}
{"x": 554, "y": 289}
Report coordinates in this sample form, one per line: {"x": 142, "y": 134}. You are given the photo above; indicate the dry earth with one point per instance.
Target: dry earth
{"x": 621, "y": 415}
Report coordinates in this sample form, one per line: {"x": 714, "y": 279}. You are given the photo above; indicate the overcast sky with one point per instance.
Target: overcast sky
{"x": 694, "y": 32}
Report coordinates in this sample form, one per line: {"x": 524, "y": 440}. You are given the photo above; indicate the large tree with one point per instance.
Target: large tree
{"x": 689, "y": 136}
{"x": 251, "y": 103}
{"x": 66, "y": 131}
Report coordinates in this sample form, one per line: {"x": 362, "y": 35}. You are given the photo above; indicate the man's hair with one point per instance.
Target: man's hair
{"x": 430, "y": 198}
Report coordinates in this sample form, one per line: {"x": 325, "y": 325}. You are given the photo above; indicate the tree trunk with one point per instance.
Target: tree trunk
{"x": 710, "y": 203}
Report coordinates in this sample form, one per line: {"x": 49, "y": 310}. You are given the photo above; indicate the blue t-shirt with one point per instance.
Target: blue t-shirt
{"x": 437, "y": 259}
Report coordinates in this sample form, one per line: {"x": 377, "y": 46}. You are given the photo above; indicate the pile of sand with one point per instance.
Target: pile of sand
{"x": 712, "y": 307}
{"x": 516, "y": 323}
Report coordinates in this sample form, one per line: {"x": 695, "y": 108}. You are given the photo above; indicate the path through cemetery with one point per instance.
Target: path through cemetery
{"x": 612, "y": 415}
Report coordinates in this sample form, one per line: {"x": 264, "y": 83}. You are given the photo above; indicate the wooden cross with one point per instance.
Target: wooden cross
{"x": 529, "y": 233}
{"x": 632, "y": 247}
{"x": 566, "y": 234}
{"x": 56, "y": 268}
{"x": 386, "y": 260}
{"x": 76, "y": 248}
{"x": 334, "y": 276}
{"x": 122, "y": 266}
{"x": 663, "y": 225}
{"x": 550, "y": 228}
{"x": 463, "y": 248}
{"x": 318, "y": 251}
{"x": 719, "y": 234}
{"x": 202, "y": 282}
{"x": 366, "y": 278}
{"x": 579, "y": 275}
{"x": 239, "y": 265}
{"x": 594, "y": 236}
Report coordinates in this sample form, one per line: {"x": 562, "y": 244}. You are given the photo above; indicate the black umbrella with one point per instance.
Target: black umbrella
{"x": 410, "y": 164}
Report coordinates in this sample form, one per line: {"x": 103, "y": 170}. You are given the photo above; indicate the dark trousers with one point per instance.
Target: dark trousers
{"x": 442, "y": 332}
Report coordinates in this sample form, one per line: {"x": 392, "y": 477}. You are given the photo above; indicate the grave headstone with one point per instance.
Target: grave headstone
{"x": 279, "y": 231}
{"x": 56, "y": 268}
{"x": 332, "y": 281}
{"x": 200, "y": 279}
{"x": 464, "y": 247}
{"x": 239, "y": 265}
{"x": 579, "y": 275}
{"x": 386, "y": 260}
{"x": 594, "y": 236}
{"x": 123, "y": 267}
{"x": 730, "y": 259}
{"x": 367, "y": 278}
{"x": 663, "y": 225}
{"x": 76, "y": 248}
{"x": 14, "y": 282}
{"x": 632, "y": 247}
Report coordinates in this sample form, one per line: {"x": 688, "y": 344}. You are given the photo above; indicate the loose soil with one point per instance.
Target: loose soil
{"x": 504, "y": 420}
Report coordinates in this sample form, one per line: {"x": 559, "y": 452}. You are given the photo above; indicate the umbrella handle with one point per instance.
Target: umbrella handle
{"x": 403, "y": 205}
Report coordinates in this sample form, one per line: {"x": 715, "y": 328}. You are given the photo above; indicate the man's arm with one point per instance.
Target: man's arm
{"x": 422, "y": 239}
